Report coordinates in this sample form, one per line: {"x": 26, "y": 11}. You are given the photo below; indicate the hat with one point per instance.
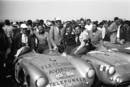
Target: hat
{"x": 23, "y": 26}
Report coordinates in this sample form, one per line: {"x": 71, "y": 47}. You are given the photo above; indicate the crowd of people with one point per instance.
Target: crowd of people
{"x": 75, "y": 37}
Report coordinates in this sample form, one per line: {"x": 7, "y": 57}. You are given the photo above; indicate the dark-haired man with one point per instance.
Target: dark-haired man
{"x": 43, "y": 40}
{"x": 95, "y": 35}
{"x": 113, "y": 30}
{"x": 55, "y": 35}
{"x": 88, "y": 25}
{"x": 8, "y": 29}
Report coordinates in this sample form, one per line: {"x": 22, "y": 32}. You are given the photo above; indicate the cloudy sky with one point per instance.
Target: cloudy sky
{"x": 64, "y": 9}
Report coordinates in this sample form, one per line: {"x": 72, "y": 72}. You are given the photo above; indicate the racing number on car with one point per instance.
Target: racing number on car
{"x": 64, "y": 75}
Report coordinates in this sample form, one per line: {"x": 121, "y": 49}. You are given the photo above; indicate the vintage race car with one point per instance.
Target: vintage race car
{"x": 112, "y": 68}
{"x": 44, "y": 70}
{"x": 124, "y": 48}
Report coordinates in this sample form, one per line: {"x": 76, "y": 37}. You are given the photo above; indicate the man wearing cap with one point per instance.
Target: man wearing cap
{"x": 21, "y": 39}
{"x": 25, "y": 33}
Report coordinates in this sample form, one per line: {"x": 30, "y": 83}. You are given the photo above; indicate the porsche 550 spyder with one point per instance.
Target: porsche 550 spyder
{"x": 44, "y": 70}
{"x": 112, "y": 68}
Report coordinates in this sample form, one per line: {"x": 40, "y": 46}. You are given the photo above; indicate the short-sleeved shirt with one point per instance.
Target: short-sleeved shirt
{"x": 88, "y": 27}
{"x": 113, "y": 27}
{"x": 84, "y": 36}
{"x": 95, "y": 37}
{"x": 55, "y": 34}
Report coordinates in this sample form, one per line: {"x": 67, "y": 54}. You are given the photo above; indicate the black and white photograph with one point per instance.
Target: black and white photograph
{"x": 64, "y": 43}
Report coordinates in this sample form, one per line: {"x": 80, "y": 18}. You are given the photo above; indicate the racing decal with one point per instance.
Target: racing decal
{"x": 55, "y": 64}
{"x": 69, "y": 82}
{"x": 63, "y": 72}
{"x": 64, "y": 75}
{"x": 62, "y": 69}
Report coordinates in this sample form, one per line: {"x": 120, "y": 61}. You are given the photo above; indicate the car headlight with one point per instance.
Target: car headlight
{"x": 111, "y": 70}
{"x": 118, "y": 80}
{"x": 101, "y": 67}
{"x": 91, "y": 73}
{"x": 41, "y": 82}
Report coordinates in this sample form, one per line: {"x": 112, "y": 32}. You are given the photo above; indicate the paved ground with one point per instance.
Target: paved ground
{"x": 7, "y": 77}
{"x": 7, "y": 82}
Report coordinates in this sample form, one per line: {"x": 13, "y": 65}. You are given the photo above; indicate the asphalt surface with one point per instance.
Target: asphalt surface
{"x": 7, "y": 81}
{"x": 7, "y": 78}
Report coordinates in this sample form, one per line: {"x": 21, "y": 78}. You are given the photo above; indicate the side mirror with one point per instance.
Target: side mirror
{"x": 22, "y": 51}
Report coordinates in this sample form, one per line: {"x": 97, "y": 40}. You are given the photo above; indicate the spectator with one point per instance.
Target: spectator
{"x": 82, "y": 24}
{"x": 119, "y": 31}
{"x": 41, "y": 22}
{"x": 82, "y": 33}
{"x": 95, "y": 36}
{"x": 88, "y": 25}
{"x": 105, "y": 33}
{"x": 84, "y": 39}
{"x": 4, "y": 49}
{"x": 126, "y": 34}
{"x": 29, "y": 25}
{"x": 113, "y": 30}
{"x": 69, "y": 39}
{"x": 16, "y": 32}
{"x": 55, "y": 35}
{"x": 77, "y": 33}
{"x": 21, "y": 39}
{"x": 100, "y": 26}
{"x": 8, "y": 29}
{"x": 43, "y": 39}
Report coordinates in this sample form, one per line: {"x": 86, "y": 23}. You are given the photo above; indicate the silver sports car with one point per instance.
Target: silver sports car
{"x": 124, "y": 48}
{"x": 112, "y": 68}
{"x": 44, "y": 70}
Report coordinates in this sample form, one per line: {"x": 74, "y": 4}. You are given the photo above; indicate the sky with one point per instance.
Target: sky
{"x": 64, "y": 9}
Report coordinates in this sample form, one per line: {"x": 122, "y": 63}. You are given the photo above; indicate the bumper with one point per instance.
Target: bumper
{"x": 71, "y": 83}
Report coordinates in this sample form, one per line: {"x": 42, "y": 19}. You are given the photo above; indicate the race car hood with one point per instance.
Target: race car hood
{"x": 124, "y": 69}
{"x": 112, "y": 58}
{"x": 125, "y": 48}
{"x": 61, "y": 71}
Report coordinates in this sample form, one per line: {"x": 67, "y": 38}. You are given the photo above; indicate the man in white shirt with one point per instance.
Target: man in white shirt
{"x": 83, "y": 38}
{"x": 104, "y": 30}
{"x": 24, "y": 38}
{"x": 118, "y": 36}
{"x": 88, "y": 25}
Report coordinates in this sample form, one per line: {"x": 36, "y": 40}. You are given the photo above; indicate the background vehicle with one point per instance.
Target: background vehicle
{"x": 42, "y": 70}
{"x": 124, "y": 48}
{"x": 112, "y": 68}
